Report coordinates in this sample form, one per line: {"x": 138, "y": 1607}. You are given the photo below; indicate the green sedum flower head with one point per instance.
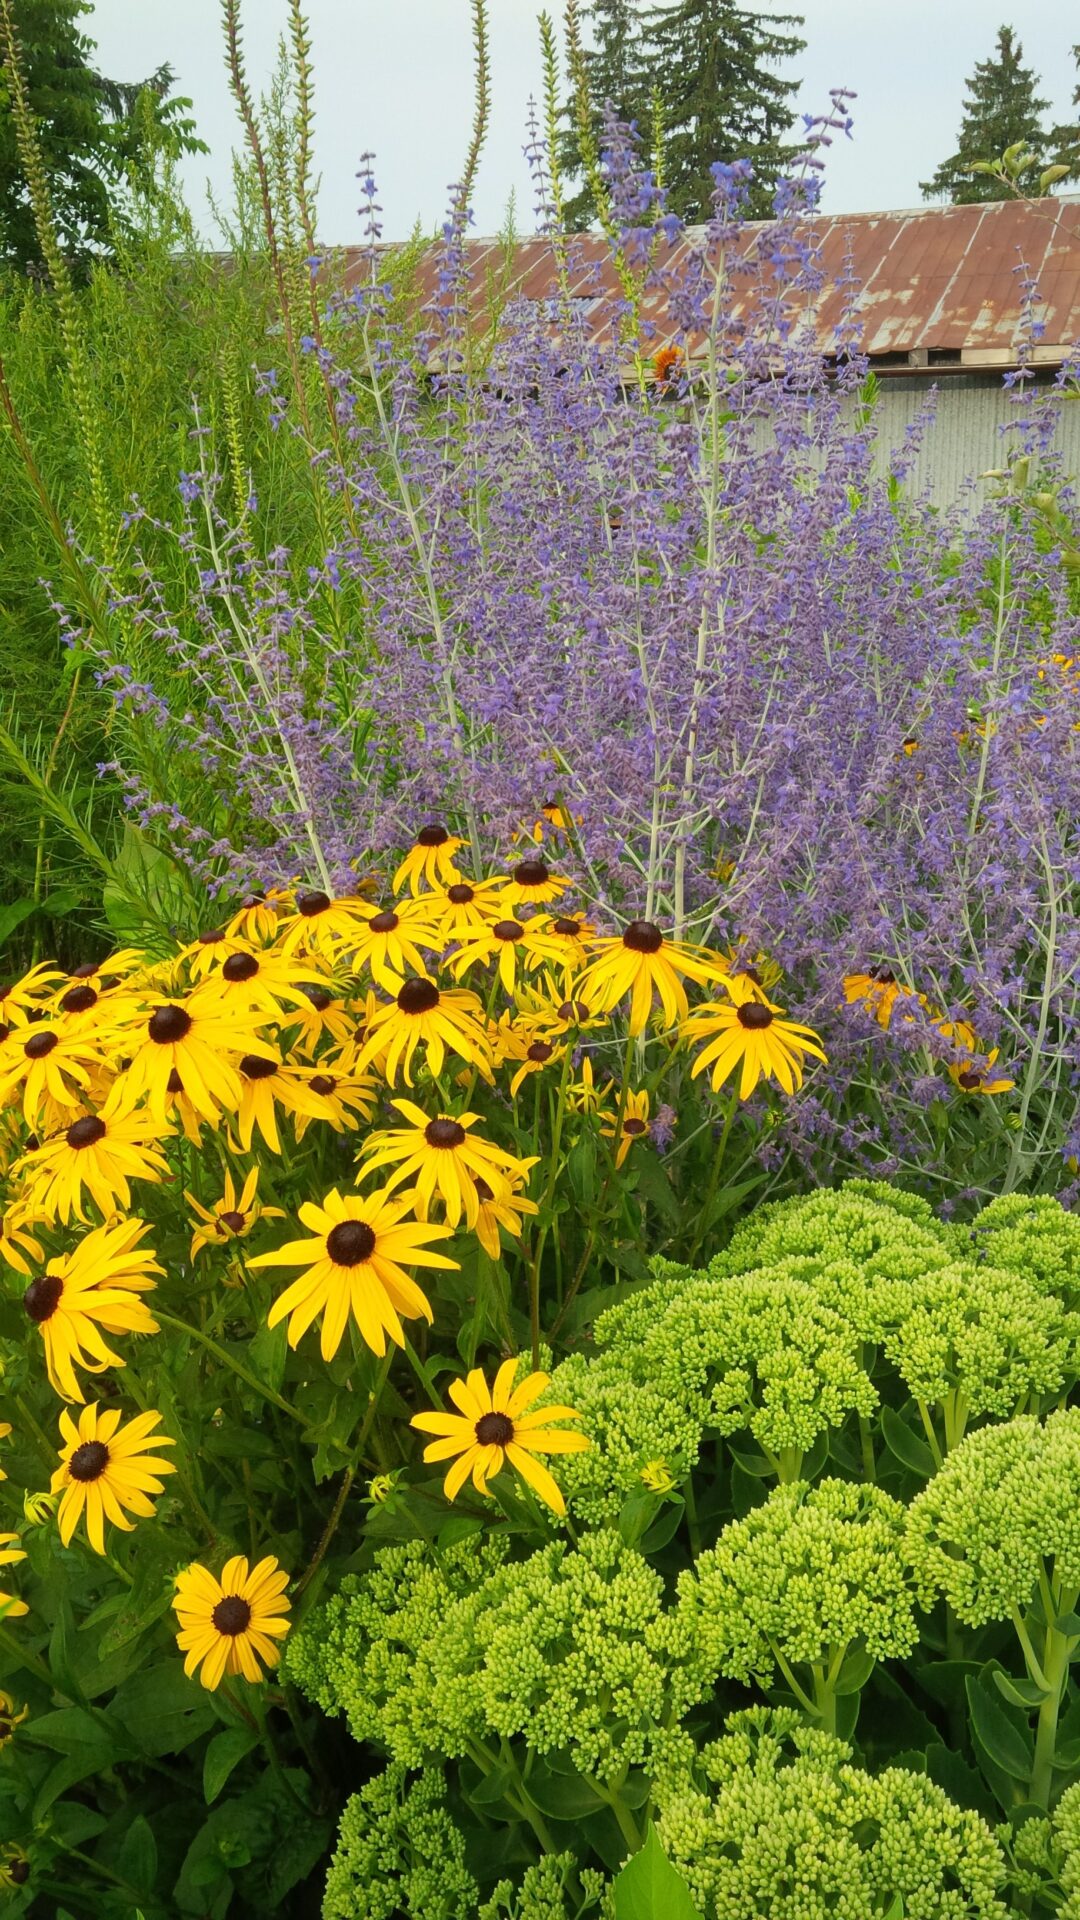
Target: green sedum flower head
{"x": 1004, "y": 1509}
{"x": 1031, "y": 1234}
{"x": 800, "y": 1580}
{"x": 775, "y": 1822}
{"x": 988, "y": 1338}
{"x": 399, "y": 1851}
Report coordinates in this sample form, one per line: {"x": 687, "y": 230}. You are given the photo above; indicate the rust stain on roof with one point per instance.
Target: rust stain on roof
{"x": 932, "y": 280}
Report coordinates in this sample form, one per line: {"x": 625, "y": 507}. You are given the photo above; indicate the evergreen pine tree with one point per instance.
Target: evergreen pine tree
{"x": 95, "y": 133}
{"x": 1002, "y": 109}
{"x": 615, "y": 63}
{"x": 1065, "y": 140}
{"x": 710, "y": 61}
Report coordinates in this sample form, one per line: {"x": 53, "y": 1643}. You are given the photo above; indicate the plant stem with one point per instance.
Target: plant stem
{"x": 235, "y": 1366}
{"x": 1055, "y": 1664}
{"x": 714, "y": 1177}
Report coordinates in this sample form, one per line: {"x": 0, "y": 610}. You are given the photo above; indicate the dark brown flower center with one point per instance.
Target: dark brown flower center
{"x": 444, "y": 1133}
{"x": 460, "y": 893}
{"x": 323, "y": 1083}
{"x": 573, "y": 1011}
{"x": 642, "y": 937}
{"x": 754, "y": 1015}
{"x": 19, "y": 1872}
{"x": 494, "y": 1429}
{"x": 4, "y": 1030}
{"x": 236, "y": 1222}
{"x": 309, "y": 904}
{"x": 884, "y": 976}
{"x": 969, "y": 1080}
{"x": 635, "y": 1127}
{"x": 211, "y": 937}
{"x": 384, "y": 922}
{"x": 38, "y": 1045}
{"x": 483, "y": 1191}
{"x": 174, "y": 1084}
{"x": 240, "y": 966}
{"x": 508, "y": 930}
{"x": 432, "y": 836}
{"x": 418, "y": 996}
{"x": 319, "y": 998}
{"x": 42, "y": 1297}
{"x": 84, "y": 972}
{"x": 569, "y": 928}
{"x": 231, "y": 1615}
{"x": 78, "y": 1000}
{"x": 89, "y": 1461}
{"x": 254, "y": 1067}
{"x": 532, "y": 873}
{"x": 753, "y": 974}
{"x": 540, "y": 1051}
{"x": 167, "y": 1025}
{"x": 251, "y": 900}
{"x": 85, "y": 1132}
{"x": 350, "y": 1243}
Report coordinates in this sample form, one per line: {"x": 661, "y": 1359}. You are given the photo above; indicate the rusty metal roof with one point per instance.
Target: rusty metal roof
{"x": 939, "y": 286}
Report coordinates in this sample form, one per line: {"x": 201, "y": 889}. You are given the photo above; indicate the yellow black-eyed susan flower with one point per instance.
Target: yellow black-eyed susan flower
{"x": 195, "y": 1040}
{"x": 90, "y": 1291}
{"x": 19, "y": 1247}
{"x": 232, "y": 1217}
{"x": 494, "y": 1212}
{"x": 430, "y": 860}
{"x": 532, "y": 884}
{"x": 443, "y": 1157}
{"x": 755, "y": 1037}
{"x": 97, "y": 1154}
{"x": 48, "y": 1068}
{"x": 261, "y": 912}
{"x": 976, "y": 1077}
{"x": 260, "y": 984}
{"x": 321, "y": 924}
{"x": 463, "y": 906}
{"x": 393, "y": 941}
{"x": 508, "y": 943}
{"x": 265, "y": 1085}
{"x": 107, "y": 1471}
{"x": 348, "y": 1096}
{"x": 422, "y": 1014}
{"x": 11, "y": 1607}
{"x": 634, "y": 1127}
{"x": 494, "y": 1426}
{"x": 641, "y": 962}
{"x": 355, "y": 1264}
{"x": 877, "y": 990}
{"x": 229, "y": 1623}
{"x": 539, "y": 1054}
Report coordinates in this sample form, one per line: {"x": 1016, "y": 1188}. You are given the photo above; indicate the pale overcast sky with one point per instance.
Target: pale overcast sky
{"x": 394, "y": 76}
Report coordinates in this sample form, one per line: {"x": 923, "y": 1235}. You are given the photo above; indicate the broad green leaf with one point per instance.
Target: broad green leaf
{"x": 137, "y": 1860}
{"x": 650, "y": 1888}
{"x": 906, "y": 1446}
{"x": 225, "y": 1752}
{"x": 13, "y": 916}
{"x": 1020, "y": 1693}
{"x": 563, "y": 1796}
{"x": 999, "y": 1736}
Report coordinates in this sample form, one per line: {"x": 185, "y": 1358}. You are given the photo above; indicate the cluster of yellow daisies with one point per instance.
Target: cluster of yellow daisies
{"x": 294, "y": 1015}
{"x": 883, "y": 995}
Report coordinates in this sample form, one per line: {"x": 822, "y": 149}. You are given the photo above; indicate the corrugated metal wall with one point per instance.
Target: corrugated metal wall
{"x": 965, "y": 438}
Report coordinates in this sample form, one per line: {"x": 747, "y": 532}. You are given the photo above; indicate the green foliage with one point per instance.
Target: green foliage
{"x": 1002, "y": 111}
{"x": 97, "y": 136}
{"x": 711, "y": 62}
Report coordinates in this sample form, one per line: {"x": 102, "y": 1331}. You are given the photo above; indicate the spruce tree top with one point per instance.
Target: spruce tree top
{"x": 1002, "y": 108}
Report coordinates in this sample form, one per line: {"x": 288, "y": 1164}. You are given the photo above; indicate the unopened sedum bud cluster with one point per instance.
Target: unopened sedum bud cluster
{"x": 798, "y": 1454}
